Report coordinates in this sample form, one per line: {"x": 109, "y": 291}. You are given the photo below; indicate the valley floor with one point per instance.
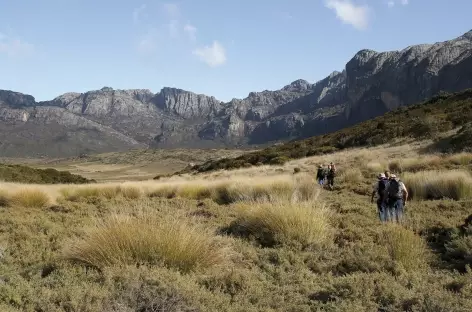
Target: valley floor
{"x": 255, "y": 239}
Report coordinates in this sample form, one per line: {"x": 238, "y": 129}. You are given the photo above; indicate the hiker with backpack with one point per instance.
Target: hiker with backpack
{"x": 321, "y": 175}
{"x": 397, "y": 196}
{"x": 331, "y": 174}
{"x": 380, "y": 189}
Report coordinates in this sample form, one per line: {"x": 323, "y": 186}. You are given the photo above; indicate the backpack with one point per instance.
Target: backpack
{"x": 382, "y": 191}
{"x": 332, "y": 171}
{"x": 394, "y": 190}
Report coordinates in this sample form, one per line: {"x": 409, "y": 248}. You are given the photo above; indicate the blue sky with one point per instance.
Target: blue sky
{"x": 224, "y": 48}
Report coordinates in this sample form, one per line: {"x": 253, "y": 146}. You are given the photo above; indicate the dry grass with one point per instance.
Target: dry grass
{"x": 461, "y": 159}
{"x": 351, "y": 175}
{"x": 30, "y": 198}
{"x": 305, "y": 222}
{"x": 237, "y": 189}
{"x": 123, "y": 240}
{"x": 405, "y": 247}
{"x": 454, "y": 184}
{"x": 131, "y": 192}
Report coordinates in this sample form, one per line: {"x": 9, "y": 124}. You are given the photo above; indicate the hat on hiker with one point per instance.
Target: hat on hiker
{"x": 393, "y": 176}
{"x": 321, "y": 166}
{"x": 381, "y": 176}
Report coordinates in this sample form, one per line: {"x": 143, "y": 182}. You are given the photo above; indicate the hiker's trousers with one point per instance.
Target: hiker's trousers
{"x": 395, "y": 209}
{"x": 382, "y": 210}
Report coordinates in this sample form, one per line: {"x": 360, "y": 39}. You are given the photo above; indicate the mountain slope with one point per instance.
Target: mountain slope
{"x": 371, "y": 84}
{"x": 426, "y": 120}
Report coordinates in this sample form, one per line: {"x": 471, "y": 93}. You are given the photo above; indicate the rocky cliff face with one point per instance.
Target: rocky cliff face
{"x": 105, "y": 120}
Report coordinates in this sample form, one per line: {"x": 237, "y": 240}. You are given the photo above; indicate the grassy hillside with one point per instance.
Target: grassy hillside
{"x": 422, "y": 121}
{"x": 25, "y": 174}
{"x": 248, "y": 240}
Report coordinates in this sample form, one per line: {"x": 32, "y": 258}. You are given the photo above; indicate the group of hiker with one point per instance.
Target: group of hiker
{"x": 390, "y": 190}
{"x": 326, "y": 176}
{"x": 391, "y": 197}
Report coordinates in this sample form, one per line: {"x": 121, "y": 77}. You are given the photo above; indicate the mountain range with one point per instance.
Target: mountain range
{"x": 105, "y": 120}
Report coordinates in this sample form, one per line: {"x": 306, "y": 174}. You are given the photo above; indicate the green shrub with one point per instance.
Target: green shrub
{"x": 25, "y": 174}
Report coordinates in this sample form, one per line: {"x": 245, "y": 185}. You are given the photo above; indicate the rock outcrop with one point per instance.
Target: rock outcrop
{"x": 371, "y": 84}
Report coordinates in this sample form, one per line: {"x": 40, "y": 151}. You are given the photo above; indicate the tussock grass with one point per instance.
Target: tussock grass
{"x": 416, "y": 164}
{"x": 227, "y": 191}
{"x": 105, "y": 191}
{"x": 30, "y": 198}
{"x": 305, "y": 222}
{"x": 123, "y": 240}
{"x": 454, "y": 184}
{"x": 460, "y": 159}
{"x": 405, "y": 247}
{"x": 351, "y": 175}
{"x": 130, "y": 192}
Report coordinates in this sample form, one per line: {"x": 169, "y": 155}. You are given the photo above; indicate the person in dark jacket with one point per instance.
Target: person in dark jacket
{"x": 320, "y": 175}
{"x": 331, "y": 174}
{"x": 380, "y": 189}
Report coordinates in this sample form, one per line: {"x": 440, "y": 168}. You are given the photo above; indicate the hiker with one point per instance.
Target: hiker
{"x": 380, "y": 188}
{"x": 397, "y": 197}
{"x": 320, "y": 175}
{"x": 331, "y": 174}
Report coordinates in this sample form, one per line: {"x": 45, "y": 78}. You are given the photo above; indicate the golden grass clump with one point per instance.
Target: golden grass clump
{"x": 454, "y": 184}
{"x": 405, "y": 247}
{"x": 130, "y": 192}
{"x": 30, "y": 198}
{"x": 461, "y": 159}
{"x": 123, "y": 240}
{"x": 227, "y": 191}
{"x": 306, "y": 222}
{"x": 351, "y": 175}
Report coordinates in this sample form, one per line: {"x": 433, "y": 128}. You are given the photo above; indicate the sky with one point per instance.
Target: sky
{"x": 223, "y": 48}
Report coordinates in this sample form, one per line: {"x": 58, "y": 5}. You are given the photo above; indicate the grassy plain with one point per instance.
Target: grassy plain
{"x": 253, "y": 239}
{"x": 134, "y": 165}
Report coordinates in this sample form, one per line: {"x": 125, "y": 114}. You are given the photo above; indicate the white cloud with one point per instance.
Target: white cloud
{"x": 391, "y": 3}
{"x": 349, "y": 13}
{"x": 213, "y": 56}
{"x": 191, "y": 31}
{"x": 172, "y": 10}
{"x": 173, "y": 28}
{"x": 149, "y": 42}
{"x": 15, "y": 47}
{"x": 137, "y": 13}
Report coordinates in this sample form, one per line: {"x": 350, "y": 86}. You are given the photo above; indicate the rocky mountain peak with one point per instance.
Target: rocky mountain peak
{"x": 297, "y": 85}
{"x": 16, "y": 99}
{"x": 371, "y": 84}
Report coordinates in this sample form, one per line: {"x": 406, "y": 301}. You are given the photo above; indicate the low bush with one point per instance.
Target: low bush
{"x": 5, "y": 199}
{"x": 405, "y": 247}
{"x": 25, "y": 174}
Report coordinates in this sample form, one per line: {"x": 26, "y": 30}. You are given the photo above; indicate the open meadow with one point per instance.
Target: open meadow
{"x": 264, "y": 238}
